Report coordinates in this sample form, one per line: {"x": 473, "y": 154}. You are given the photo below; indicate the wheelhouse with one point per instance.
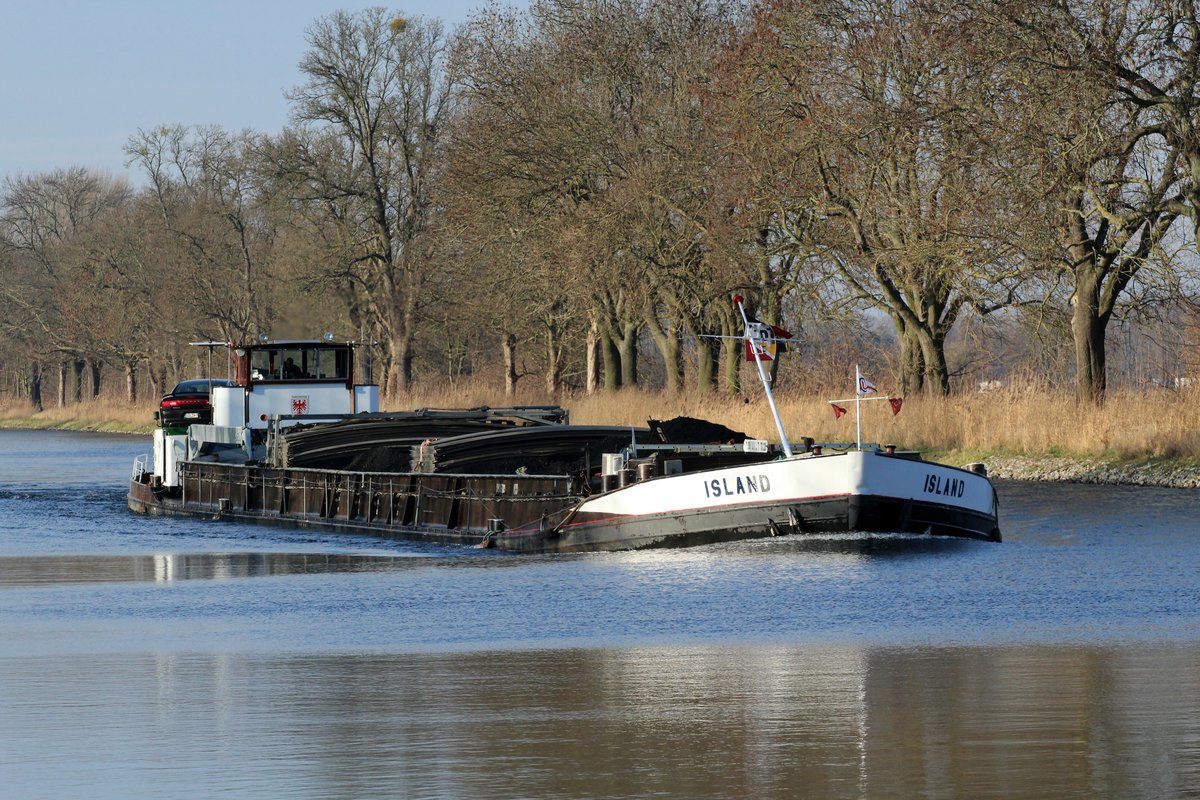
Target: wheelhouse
{"x": 294, "y": 362}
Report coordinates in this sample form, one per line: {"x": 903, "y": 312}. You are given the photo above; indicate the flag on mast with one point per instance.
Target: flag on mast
{"x": 896, "y": 403}
{"x": 767, "y": 340}
{"x": 838, "y": 411}
{"x": 864, "y": 385}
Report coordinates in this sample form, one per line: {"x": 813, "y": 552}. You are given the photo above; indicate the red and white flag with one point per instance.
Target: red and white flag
{"x": 895, "y": 403}
{"x": 767, "y": 340}
{"x": 838, "y": 411}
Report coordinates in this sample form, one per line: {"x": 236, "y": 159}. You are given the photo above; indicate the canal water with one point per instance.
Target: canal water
{"x": 173, "y": 658}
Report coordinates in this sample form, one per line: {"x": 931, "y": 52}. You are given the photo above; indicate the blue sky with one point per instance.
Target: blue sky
{"x": 78, "y": 78}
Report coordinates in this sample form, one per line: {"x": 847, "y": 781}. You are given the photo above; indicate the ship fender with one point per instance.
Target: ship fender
{"x": 495, "y": 527}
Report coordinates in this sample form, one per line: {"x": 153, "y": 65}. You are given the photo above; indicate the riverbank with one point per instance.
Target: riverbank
{"x": 1142, "y": 439}
{"x": 83, "y": 425}
{"x": 1070, "y": 470}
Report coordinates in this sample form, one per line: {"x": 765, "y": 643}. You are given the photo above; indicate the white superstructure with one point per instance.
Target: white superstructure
{"x": 276, "y": 384}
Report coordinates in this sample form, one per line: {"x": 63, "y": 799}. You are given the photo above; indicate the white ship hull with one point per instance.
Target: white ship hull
{"x": 850, "y": 491}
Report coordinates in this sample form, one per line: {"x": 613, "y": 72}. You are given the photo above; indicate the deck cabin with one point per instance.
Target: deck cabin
{"x": 276, "y": 384}
{"x": 287, "y": 382}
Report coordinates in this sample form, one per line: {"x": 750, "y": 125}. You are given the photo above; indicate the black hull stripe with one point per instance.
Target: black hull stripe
{"x": 586, "y": 518}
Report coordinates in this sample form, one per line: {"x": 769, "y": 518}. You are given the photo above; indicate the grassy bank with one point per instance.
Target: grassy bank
{"x": 97, "y": 415}
{"x": 1163, "y": 426}
{"x": 1129, "y": 428}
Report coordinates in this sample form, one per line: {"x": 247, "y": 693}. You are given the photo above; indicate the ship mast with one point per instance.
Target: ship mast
{"x": 762, "y": 375}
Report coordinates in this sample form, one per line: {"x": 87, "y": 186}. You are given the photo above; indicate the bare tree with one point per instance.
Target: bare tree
{"x": 874, "y": 161}
{"x": 1110, "y": 108}
{"x": 41, "y": 217}
{"x": 591, "y": 115}
{"x": 377, "y": 83}
{"x": 210, "y": 204}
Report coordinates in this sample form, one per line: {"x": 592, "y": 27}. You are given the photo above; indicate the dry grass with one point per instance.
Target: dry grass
{"x": 96, "y": 415}
{"x": 1017, "y": 421}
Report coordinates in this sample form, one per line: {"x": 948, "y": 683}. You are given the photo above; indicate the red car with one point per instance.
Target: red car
{"x": 189, "y": 403}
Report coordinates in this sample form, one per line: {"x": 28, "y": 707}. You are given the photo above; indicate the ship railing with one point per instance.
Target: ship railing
{"x": 748, "y": 446}
{"x": 455, "y": 501}
{"x": 139, "y": 466}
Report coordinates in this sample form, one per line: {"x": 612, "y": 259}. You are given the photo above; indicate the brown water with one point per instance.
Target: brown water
{"x": 613, "y": 722}
{"x": 184, "y": 658}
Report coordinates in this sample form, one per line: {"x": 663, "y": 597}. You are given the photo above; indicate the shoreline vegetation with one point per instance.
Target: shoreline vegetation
{"x": 1149, "y": 438}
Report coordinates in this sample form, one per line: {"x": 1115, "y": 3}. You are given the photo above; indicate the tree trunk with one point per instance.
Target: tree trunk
{"x": 404, "y": 361}
{"x": 131, "y": 388}
{"x": 554, "y": 361}
{"x": 610, "y": 356}
{"x": 78, "y": 366}
{"x": 708, "y": 352}
{"x": 35, "y": 385}
{"x": 627, "y": 348}
{"x": 509, "y": 346}
{"x": 1088, "y": 326}
{"x": 912, "y": 362}
{"x": 62, "y": 384}
{"x": 667, "y": 341}
{"x": 391, "y": 380}
{"x": 94, "y": 369}
{"x": 591, "y": 369}
{"x": 731, "y": 354}
{"x": 937, "y": 376}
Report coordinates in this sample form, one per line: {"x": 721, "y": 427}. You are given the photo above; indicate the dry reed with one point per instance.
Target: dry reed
{"x": 1022, "y": 419}
{"x": 1018, "y": 420}
{"x": 102, "y": 415}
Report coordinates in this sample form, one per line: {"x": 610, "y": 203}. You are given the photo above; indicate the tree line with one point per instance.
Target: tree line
{"x": 580, "y": 185}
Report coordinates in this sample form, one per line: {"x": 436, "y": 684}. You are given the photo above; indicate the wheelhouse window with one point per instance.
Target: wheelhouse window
{"x": 330, "y": 363}
{"x": 292, "y": 363}
{"x": 264, "y": 365}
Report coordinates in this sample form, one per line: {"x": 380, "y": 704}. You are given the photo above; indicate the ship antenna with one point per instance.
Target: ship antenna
{"x": 762, "y": 375}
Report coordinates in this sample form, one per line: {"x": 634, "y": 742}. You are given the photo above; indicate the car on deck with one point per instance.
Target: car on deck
{"x": 189, "y": 403}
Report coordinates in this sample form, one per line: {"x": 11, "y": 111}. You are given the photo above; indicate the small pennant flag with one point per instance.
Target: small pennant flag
{"x": 895, "y": 403}
{"x": 838, "y": 411}
{"x": 865, "y": 386}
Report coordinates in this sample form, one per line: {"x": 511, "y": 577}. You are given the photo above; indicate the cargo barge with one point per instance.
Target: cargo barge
{"x": 310, "y": 448}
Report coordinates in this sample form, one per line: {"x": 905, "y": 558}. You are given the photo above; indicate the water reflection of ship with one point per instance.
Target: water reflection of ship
{"x": 167, "y": 567}
{"x": 730, "y": 721}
